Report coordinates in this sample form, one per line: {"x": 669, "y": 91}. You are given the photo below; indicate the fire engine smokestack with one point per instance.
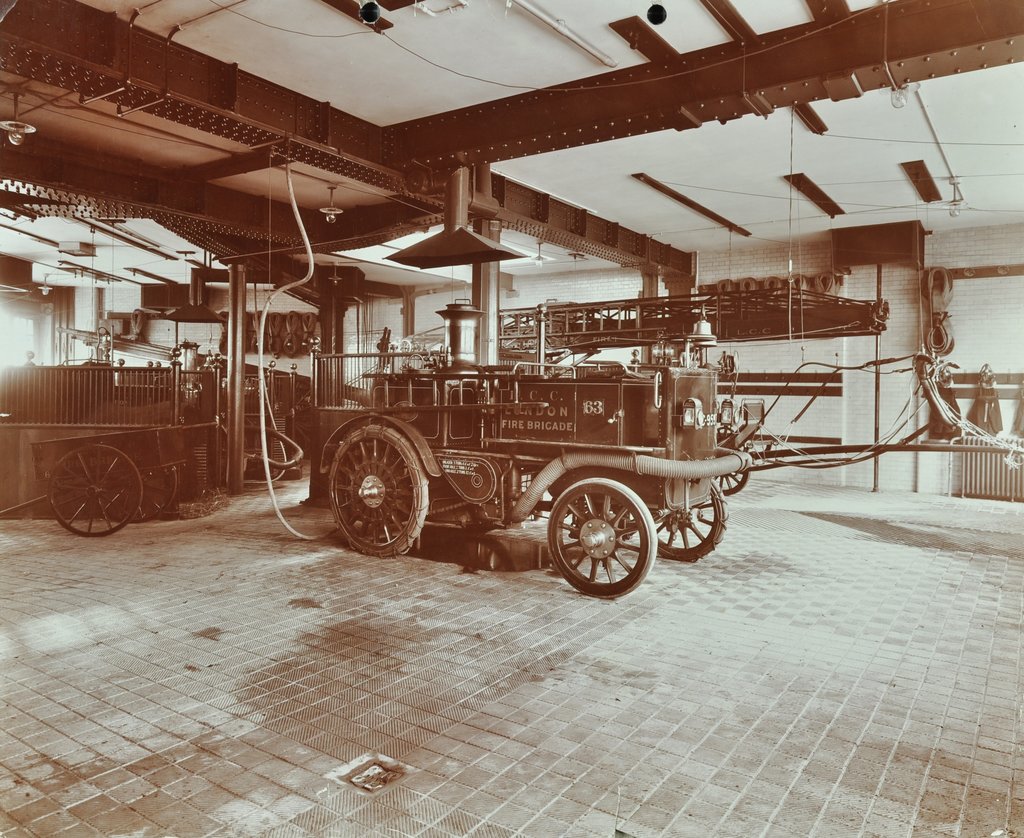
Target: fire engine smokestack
{"x": 461, "y": 322}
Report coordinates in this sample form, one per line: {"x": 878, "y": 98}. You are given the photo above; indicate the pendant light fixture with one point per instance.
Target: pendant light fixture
{"x": 17, "y": 130}
{"x": 332, "y": 212}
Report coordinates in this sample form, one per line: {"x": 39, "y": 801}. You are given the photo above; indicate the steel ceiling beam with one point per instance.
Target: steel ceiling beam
{"x": 109, "y": 186}
{"x": 96, "y": 54}
{"x": 814, "y": 193}
{"x": 926, "y": 38}
{"x": 921, "y": 179}
{"x": 689, "y": 203}
{"x": 234, "y": 164}
{"x": 55, "y": 178}
{"x": 730, "y": 20}
{"x": 78, "y": 48}
{"x": 810, "y": 118}
{"x": 351, "y": 9}
{"x": 538, "y": 214}
{"x": 641, "y": 37}
{"x": 828, "y": 11}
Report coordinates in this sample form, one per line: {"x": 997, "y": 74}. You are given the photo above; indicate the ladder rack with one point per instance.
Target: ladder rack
{"x": 734, "y": 315}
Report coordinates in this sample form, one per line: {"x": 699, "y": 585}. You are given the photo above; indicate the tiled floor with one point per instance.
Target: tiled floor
{"x": 845, "y": 664}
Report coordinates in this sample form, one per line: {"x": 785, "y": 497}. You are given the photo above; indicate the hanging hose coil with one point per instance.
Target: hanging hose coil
{"x": 138, "y": 323}
{"x": 937, "y": 293}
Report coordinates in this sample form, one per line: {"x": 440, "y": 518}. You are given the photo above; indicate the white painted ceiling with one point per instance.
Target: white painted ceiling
{"x": 487, "y": 49}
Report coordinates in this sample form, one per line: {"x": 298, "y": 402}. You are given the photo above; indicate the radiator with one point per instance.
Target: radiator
{"x": 986, "y": 474}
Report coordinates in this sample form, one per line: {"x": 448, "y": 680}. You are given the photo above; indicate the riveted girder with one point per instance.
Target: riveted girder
{"x": 923, "y": 39}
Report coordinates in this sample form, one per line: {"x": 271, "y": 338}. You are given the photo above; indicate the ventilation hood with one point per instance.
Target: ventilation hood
{"x": 455, "y": 245}
{"x": 458, "y": 246}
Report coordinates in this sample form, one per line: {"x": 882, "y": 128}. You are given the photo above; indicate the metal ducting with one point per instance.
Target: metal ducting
{"x": 455, "y": 245}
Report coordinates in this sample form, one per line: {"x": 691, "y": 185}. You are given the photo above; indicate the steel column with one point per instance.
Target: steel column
{"x": 236, "y": 379}
{"x": 878, "y": 377}
{"x": 648, "y": 288}
{"x": 486, "y": 284}
{"x": 408, "y": 311}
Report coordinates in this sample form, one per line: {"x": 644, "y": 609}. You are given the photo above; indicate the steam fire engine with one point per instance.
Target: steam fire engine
{"x": 620, "y": 457}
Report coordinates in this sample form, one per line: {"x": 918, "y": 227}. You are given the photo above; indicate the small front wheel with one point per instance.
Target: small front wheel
{"x": 685, "y": 535}
{"x": 601, "y": 537}
{"x": 734, "y": 483}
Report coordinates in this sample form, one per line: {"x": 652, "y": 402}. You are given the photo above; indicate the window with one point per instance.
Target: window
{"x": 17, "y": 336}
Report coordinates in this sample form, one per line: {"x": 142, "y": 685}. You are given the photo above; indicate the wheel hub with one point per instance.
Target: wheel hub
{"x": 598, "y": 538}
{"x": 371, "y": 491}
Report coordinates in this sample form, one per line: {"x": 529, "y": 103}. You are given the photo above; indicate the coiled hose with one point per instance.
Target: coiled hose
{"x": 937, "y": 292}
{"x": 726, "y": 461}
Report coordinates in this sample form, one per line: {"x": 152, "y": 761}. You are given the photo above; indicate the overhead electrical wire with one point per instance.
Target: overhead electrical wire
{"x": 810, "y": 33}
{"x": 266, "y": 25}
{"x": 921, "y": 142}
{"x": 868, "y": 207}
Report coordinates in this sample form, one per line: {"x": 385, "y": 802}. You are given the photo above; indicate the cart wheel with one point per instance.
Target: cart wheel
{"x": 159, "y": 489}
{"x": 378, "y": 491}
{"x": 734, "y": 483}
{"x": 686, "y": 535}
{"x": 601, "y": 537}
{"x": 95, "y": 490}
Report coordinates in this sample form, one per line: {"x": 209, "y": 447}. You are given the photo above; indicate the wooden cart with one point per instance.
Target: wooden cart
{"x": 98, "y": 484}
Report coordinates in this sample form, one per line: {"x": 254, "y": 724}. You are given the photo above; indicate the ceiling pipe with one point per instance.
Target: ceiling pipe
{"x": 456, "y": 199}
{"x": 934, "y": 133}
{"x": 958, "y": 200}
{"x": 482, "y": 202}
{"x": 562, "y": 28}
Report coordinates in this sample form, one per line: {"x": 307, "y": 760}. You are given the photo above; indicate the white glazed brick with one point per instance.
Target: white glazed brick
{"x": 985, "y": 318}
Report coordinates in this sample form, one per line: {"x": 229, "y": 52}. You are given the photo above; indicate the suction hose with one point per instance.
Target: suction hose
{"x": 727, "y": 461}
{"x": 260, "y": 332}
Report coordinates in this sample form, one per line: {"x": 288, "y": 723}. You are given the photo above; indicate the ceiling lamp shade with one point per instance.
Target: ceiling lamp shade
{"x": 458, "y": 246}
{"x": 16, "y": 130}
{"x": 194, "y": 314}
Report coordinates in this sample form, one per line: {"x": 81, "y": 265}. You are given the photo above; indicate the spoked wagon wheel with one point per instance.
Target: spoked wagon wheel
{"x": 159, "y": 489}
{"x": 601, "y": 537}
{"x": 686, "y": 535}
{"x": 733, "y": 483}
{"x": 95, "y": 490}
{"x": 378, "y": 491}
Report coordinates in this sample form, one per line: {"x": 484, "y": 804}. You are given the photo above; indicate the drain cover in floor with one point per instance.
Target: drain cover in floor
{"x": 370, "y": 773}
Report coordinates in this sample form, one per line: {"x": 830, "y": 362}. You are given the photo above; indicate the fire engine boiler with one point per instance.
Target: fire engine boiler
{"x": 620, "y": 458}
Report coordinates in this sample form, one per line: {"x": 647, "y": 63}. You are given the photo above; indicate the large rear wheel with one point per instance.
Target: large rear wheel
{"x": 684, "y": 535}
{"x": 601, "y": 537}
{"x": 95, "y": 490}
{"x": 159, "y": 491}
{"x": 378, "y": 491}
